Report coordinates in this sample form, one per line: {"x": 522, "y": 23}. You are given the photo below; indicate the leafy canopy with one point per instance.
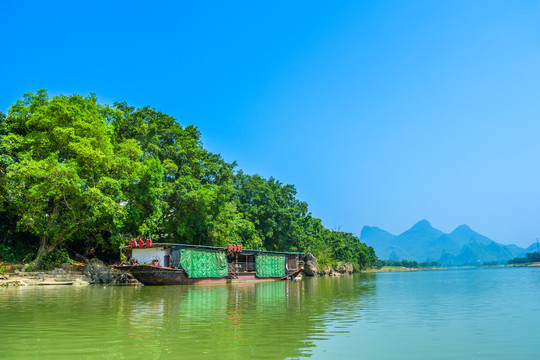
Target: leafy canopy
{"x": 79, "y": 175}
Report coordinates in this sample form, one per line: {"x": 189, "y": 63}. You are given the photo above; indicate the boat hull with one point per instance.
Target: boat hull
{"x": 157, "y": 275}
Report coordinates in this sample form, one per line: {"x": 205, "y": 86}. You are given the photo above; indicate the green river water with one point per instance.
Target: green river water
{"x": 447, "y": 314}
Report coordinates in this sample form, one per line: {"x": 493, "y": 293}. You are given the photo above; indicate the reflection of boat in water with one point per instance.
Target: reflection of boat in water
{"x": 170, "y": 264}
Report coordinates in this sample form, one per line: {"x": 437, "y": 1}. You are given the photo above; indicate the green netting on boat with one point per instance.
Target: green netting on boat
{"x": 199, "y": 263}
{"x": 270, "y": 265}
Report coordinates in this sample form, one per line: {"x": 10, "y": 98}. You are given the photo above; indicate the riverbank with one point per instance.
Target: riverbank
{"x": 394, "y": 269}
{"x": 92, "y": 272}
{"x": 405, "y": 269}
{"x": 57, "y": 276}
{"x": 535, "y": 264}
{"x": 96, "y": 272}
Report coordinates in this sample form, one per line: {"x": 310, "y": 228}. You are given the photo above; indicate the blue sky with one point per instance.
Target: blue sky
{"x": 381, "y": 113}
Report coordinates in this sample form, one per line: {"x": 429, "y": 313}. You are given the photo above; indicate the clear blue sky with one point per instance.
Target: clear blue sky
{"x": 381, "y": 113}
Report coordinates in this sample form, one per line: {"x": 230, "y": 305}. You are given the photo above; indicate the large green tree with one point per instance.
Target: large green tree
{"x": 274, "y": 209}
{"x": 196, "y": 188}
{"x": 5, "y": 156}
{"x": 64, "y": 181}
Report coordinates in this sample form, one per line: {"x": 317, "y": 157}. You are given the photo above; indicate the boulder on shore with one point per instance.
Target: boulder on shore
{"x": 324, "y": 270}
{"x": 346, "y": 268}
{"x": 310, "y": 258}
{"x": 312, "y": 268}
{"x": 97, "y": 271}
{"x": 311, "y": 265}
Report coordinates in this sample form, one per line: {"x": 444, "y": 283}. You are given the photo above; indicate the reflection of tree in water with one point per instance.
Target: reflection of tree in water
{"x": 267, "y": 320}
{"x": 272, "y": 320}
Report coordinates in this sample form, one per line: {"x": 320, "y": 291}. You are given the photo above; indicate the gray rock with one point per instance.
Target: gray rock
{"x": 311, "y": 265}
{"x": 310, "y": 268}
{"x": 324, "y": 270}
{"x": 310, "y": 258}
{"x": 97, "y": 271}
{"x": 66, "y": 266}
{"x": 346, "y": 268}
{"x": 80, "y": 282}
{"x": 333, "y": 272}
{"x": 12, "y": 268}
{"x": 58, "y": 271}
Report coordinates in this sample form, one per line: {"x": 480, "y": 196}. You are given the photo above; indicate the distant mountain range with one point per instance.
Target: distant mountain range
{"x": 423, "y": 242}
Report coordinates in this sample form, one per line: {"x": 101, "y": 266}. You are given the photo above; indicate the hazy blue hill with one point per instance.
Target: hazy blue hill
{"x": 516, "y": 250}
{"x": 418, "y": 241}
{"x": 448, "y": 259}
{"x": 397, "y": 253}
{"x": 463, "y": 234}
{"x": 469, "y": 255}
{"x": 423, "y": 242}
{"x": 532, "y": 248}
{"x": 421, "y": 232}
{"x": 373, "y": 232}
{"x": 382, "y": 241}
{"x": 476, "y": 253}
{"x": 498, "y": 252}
{"x": 436, "y": 248}
{"x": 413, "y": 244}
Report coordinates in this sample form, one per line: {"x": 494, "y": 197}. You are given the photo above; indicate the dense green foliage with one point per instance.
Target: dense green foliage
{"x": 79, "y": 178}
{"x": 530, "y": 258}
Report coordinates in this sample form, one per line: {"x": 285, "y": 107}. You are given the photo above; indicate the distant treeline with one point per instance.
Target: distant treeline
{"x": 530, "y": 258}
{"x": 79, "y": 179}
{"x": 407, "y": 264}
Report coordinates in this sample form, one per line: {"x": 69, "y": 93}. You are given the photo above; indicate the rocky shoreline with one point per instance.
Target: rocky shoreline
{"x": 78, "y": 274}
{"x": 96, "y": 272}
{"x": 312, "y": 268}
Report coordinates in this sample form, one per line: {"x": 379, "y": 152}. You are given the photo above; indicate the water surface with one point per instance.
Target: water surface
{"x": 451, "y": 314}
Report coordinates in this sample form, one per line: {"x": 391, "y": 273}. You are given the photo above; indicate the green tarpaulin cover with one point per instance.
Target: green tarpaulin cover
{"x": 199, "y": 263}
{"x": 270, "y": 265}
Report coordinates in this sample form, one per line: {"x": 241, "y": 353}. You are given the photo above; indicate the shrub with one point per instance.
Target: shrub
{"x": 325, "y": 261}
{"x": 30, "y": 267}
{"x": 54, "y": 258}
{"x": 7, "y": 254}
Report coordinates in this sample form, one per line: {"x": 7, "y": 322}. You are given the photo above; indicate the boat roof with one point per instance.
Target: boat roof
{"x": 244, "y": 251}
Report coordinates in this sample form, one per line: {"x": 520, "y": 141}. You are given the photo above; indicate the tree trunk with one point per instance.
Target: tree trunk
{"x": 44, "y": 249}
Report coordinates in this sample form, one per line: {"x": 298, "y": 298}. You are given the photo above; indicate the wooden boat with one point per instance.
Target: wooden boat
{"x": 174, "y": 264}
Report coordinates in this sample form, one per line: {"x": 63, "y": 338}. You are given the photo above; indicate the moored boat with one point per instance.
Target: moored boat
{"x": 173, "y": 264}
